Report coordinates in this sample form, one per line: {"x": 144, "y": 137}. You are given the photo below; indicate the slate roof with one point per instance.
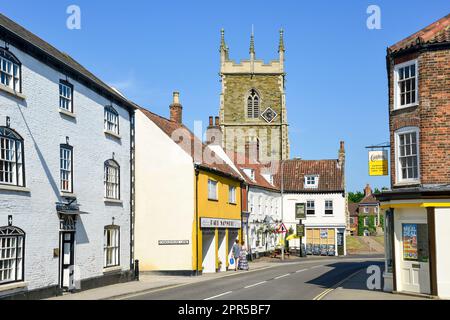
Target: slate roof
{"x": 26, "y": 41}
{"x": 331, "y": 175}
{"x": 169, "y": 127}
{"x": 437, "y": 32}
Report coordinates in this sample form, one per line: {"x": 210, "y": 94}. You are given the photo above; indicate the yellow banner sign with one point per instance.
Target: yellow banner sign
{"x": 378, "y": 163}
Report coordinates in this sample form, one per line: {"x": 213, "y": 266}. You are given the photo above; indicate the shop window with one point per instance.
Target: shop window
{"x": 388, "y": 235}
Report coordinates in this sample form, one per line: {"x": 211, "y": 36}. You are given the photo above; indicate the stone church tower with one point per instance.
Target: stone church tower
{"x": 253, "y": 105}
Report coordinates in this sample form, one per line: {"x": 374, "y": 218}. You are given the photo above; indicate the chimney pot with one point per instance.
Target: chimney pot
{"x": 176, "y": 97}
{"x": 210, "y": 121}
{"x": 217, "y": 121}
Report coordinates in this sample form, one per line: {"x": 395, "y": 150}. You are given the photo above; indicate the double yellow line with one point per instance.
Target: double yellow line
{"x": 337, "y": 285}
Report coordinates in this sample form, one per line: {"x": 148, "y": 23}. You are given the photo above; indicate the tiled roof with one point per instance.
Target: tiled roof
{"x": 242, "y": 162}
{"x": 329, "y": 171}
{"x": 353, "y": 209}
{"x": 9, "y": 27}
{"x": 437, "y": 32}
{"x": 369, "y": 199}
{"x": 169, "y": 127}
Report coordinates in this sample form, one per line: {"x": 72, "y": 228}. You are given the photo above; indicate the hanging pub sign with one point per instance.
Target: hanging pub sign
{"x": 300, "y": 212}
{"x": 300, "y": 230}
{"x": 378, "y": 163}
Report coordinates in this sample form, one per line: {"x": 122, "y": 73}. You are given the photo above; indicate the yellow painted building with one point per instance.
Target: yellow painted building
{"x": 218, "y": 219}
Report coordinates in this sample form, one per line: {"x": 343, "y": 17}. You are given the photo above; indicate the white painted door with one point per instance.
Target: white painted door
{"x": 414, "y": 266}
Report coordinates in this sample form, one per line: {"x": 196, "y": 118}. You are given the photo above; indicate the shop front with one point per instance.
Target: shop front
{"x": 217, "y": 238}
{"x": 325, "y": 241}
{"x": 416, "y": 245}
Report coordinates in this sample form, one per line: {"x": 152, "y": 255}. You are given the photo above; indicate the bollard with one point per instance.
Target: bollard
{"x": 136, "y": 270}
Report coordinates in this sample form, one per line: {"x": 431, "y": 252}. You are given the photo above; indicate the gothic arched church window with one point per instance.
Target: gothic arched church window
{"x": 253, "y": 103}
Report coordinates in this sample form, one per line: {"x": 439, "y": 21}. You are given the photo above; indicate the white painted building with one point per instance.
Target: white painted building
{"x": 65, "y": 175}
{"x": 320, "y": 186}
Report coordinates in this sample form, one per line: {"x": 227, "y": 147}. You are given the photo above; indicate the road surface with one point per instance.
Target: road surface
{"x": 302, "y": 280}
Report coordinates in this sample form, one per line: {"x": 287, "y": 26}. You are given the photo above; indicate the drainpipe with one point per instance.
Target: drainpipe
{"x": 196, "y": 220}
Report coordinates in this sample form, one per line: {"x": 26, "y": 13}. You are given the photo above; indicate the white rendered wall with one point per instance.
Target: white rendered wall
{"x": 165, "y": 182}
{"x": 43, "y": 128}
{"x": 442, "y": 224}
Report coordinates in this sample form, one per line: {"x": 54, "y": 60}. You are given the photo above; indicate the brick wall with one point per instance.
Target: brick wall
{"x": 431, "y": 116}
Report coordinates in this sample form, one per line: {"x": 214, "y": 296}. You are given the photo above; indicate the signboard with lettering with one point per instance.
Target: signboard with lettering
{"x": 173, "y": 242}
{"x": 300, "y": 211}
{"x": 378, "y": 163}
{"x": 220, "y": 223}
{"x": 300, "y": 230}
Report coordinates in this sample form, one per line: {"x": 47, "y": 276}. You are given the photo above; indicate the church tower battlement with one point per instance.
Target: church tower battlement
{"x": 253, "y": 103}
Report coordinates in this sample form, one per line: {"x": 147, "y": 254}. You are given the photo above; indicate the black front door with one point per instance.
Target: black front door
{"x": 67, "y": 260}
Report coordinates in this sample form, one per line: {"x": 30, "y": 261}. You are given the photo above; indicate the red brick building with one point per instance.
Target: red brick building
{"x": 418, "y": 204}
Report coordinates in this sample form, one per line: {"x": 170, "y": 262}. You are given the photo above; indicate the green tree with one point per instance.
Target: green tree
{"x": 355, "y": 197}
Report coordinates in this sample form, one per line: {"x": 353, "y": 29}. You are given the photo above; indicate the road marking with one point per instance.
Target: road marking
{"x": 315, "y": 267}
{"x": 256, "y": 284}
{"x": 286, "y": 275}
{"x": 219, "y": 295}
{"x": 337, "y": 285}
{"x": 298, "y": 271}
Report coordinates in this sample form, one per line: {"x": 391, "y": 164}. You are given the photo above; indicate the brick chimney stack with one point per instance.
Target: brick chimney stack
{"x": 367, "y": 190}
{"x": 341, "y": 161}
{"x": 176, "y": 109}
{"x": 214, "y": 132}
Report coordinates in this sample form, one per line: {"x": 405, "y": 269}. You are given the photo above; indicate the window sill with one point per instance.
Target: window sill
{"x": 12, "y": 92}
{"x": 115, "y": 269}
{"x": 5, "y": 187}
{"x": 67, "y": 113}
{"x": 68, "y": 194}
{"x": 213, "y": 200}
{"x": 13, "y": 286}
{"x": 112, "y": 134}
{"x": 407, "y": 183}
{"x": 396, "y": 108}
{"x": 114, "y": 201}
{"x": 232, "y": 203}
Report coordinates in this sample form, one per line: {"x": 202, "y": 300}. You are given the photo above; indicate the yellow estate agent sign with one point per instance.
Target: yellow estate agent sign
{"x": 378, "y": 163}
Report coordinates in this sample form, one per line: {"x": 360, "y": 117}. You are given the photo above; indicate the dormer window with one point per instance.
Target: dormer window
{"x": 250, "y": 173}
{"x": 311, "y": 181}
{"x": 10, "y": 70}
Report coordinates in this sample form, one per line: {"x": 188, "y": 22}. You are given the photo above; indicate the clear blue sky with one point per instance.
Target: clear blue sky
{"x": 336, "y": 71}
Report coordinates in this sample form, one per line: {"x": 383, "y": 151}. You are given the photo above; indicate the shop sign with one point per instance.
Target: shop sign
{"x": 410, "y": 242}
{"x": 173, "y": 242}
{"x": 378, "y": 163}
{"x": 220, "y": 223}
{"x": 300, "y": 230}
{"x": 300, "y": 212}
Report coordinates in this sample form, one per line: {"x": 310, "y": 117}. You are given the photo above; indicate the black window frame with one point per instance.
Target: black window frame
{"x": 116, "y": 164}
{"x": 5, "y": 53}
{"x": 17, "y": 138}
{"x": 12, "y": 231}
{"x": 70, "y": 85}
{"x": 67, "y": 147}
